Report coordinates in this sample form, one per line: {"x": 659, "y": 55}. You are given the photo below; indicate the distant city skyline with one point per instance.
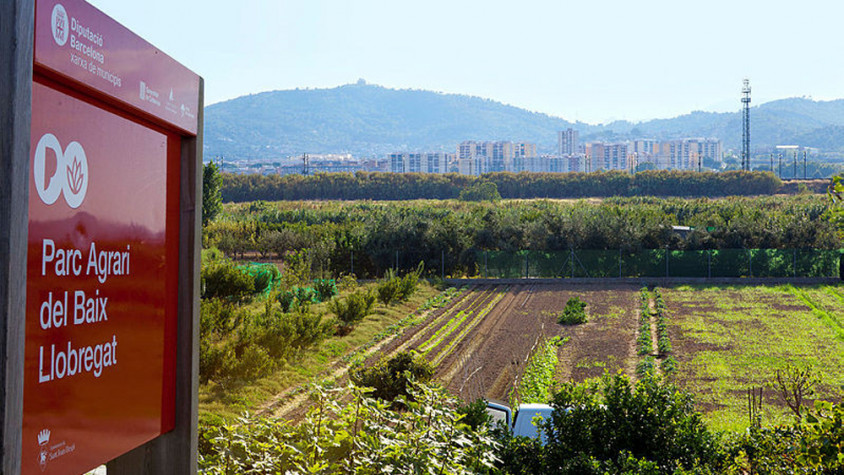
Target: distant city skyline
{"x": 583, "y": 61}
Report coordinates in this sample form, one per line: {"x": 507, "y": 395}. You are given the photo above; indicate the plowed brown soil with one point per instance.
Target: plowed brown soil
{"x": 488, "y": 360}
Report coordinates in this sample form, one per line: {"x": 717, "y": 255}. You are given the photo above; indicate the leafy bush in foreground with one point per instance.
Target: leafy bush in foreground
{"x": 363, "y": 436}
{"x": 391, "y": 379}
{"x": 616, "y": 426}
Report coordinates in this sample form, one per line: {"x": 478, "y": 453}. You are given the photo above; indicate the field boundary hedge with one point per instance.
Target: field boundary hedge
{"x": 411, "y": 186}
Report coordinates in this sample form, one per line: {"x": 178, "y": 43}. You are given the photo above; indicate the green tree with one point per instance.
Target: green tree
{"x": 836, "y": 209}
{"x": 212, "y": 198}
{"x": 480, "y": 191}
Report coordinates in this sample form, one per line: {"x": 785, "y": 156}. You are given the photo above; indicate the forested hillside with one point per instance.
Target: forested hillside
{"x": 368, "y": 120}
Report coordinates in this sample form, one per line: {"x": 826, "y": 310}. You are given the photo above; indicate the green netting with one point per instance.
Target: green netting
{"x": 645, "y": 263}
{"x": 266, "y": 276}
{"x": 504, "y": 264}
{"x": 659, "y": 263}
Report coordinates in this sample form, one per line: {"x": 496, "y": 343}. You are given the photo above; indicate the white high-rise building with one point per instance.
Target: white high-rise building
{"x": 567, "y": 142}
{"x": 432, "y": 162}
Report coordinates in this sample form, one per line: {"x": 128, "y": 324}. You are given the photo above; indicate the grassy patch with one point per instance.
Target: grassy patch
{"x": 733, "y": 338}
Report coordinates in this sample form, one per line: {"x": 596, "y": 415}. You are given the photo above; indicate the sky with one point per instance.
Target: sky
{"x": 592, "y": 60}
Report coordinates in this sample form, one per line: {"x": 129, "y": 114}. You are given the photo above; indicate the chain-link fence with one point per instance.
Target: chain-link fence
{"x": 780, "y": 263}
{"x": 659, "y": 263}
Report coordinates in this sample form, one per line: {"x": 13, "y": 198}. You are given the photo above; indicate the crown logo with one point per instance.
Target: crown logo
{"x": 44, "y": 437}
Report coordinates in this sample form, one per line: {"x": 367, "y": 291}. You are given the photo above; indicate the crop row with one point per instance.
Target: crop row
{"x": 468, "y": 327}
{"x": 644, "y": 340}
{"x": 414, "y": 318}
{"x": 454, "y": 321}
{"x": 538, "y": 376}
{"x": 830, "y": 319}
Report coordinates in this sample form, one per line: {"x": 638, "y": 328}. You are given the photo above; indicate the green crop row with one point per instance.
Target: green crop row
{"x": 453, "y": 323}
{"x": 536, "y": 381}
{"x": 663, "y": 342}
{"x": 644, "y": 340}
{"x": 414, "y": 318}
{"x": 443, "y": 354}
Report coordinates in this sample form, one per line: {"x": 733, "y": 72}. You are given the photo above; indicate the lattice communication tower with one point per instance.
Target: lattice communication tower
{"x": 745, "y": 129}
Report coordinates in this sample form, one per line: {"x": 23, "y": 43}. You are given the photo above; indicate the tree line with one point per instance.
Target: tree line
{"x": 337, "y": 237}
{"x": 407, "y": 186}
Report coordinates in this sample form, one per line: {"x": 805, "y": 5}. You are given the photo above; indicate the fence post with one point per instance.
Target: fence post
{"x": 486, "y": 265}
{"x": 572, "y": 263}
{"x": 619, "y": 262}
{"x": 709, "y": 264}
{"x": 442, "y": 262}
{"x": 666, "y": 261}
{"x": 397, "y": 261}
{"x": 527, "y": 265}
{"x": 794, "y": 264}
{"x": 353, "y": 262}
{"x": 750, "y": 262}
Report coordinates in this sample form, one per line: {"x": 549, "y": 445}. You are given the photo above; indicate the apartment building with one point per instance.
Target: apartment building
{"x": 607, "y": 156}
{"x": 688, "y": 153}
{"x": 430, "y": 162}
{"x": 567, "y": 142}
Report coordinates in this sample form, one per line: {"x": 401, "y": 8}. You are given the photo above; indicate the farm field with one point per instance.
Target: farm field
{"x": 728, "y": 339}
{"x": 725, "y": 338}
{"x": 482, "y": 342}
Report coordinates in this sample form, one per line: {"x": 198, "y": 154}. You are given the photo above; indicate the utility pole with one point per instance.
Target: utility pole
{"x": 804, "y": 163}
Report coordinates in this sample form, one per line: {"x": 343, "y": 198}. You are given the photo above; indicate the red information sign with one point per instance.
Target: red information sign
{"x": 102, "y": 263}
{"x": 81, "y": 43}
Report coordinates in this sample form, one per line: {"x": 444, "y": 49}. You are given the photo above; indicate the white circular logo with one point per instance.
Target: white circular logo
{"x": 60, "y": 24}
{"x": 71, "y": 176}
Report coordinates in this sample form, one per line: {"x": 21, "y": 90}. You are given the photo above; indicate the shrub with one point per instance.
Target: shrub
{"x": 325, "y": 289}
{"x": 265, "y": 276}
{"x": 285, "y": 334}
{"x": 574, "y": 313}
{"x": 346, "y": 431}
{"x": 398, "y": 289}
{"x": 256, "y": 345}
{"x": 300, "y": 296}
{"x": 474, "y": 414}
{"x": 391, "y": 378}
{"x": 347, "y": 282}
{"x": 388, "y": 288}
{"x": 353, "y": 308}
{"x": 223, "y": 279}
{"x": 615, "y": 424}
{"x": 217, "y": 316}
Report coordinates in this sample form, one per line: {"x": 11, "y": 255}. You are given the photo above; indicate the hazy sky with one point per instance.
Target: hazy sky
{"x": 591, "y": 60}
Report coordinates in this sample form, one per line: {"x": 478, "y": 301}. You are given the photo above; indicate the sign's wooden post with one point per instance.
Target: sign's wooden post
{"x": 16, "y": 44}
{"x": 100, "y": 210}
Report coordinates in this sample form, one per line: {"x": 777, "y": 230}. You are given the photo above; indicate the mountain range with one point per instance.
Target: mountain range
{"x": 371, "y": 121}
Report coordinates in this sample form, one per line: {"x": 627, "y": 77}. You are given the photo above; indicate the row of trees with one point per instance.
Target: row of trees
{"x": 405, "y": 186}
{"x": 337, "y": 237}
